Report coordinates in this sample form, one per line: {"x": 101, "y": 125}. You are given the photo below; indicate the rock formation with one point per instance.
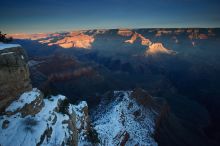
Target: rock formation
{"x": 125, "y": 32}
{"x": 29, "y": 118}
{"x": 135, "y": 36}
{"x": 14, "y": 73}
{"x": 36, "y": 36}
{"x": 158, "y": 48}
{"x": 129, "y": 118}
{"x": 75, "y": 39}
{"x": 33, "y": 120}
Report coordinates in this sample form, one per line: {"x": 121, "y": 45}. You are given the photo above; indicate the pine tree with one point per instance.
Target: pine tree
{"x": 4, "y": 39}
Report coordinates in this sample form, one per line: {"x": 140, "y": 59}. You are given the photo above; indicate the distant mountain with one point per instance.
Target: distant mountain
{"x": 158, "y": 48}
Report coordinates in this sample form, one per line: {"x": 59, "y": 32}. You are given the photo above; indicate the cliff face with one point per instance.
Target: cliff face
{"x": 14, "y": 73}
{"x": 29, "y": 118}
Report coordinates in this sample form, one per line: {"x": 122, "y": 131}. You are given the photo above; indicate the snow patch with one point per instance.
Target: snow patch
{"x": 25, "y": 98}
{"x": 5, "y": 46}
{"x": 7, "y": 53}
{"x": 29, "y": 130}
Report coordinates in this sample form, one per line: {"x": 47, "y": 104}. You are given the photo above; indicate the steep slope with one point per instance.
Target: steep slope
{"x": 129, "y": 118}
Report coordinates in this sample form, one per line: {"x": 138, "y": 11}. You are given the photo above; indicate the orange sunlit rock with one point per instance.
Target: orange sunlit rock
{"x": 135, "y": 36}
{"x": 189, "y": 30}
{"x": 75, "y": 39}
{"x": 125, "y": 32}
{"x": 203, "y": 36}
{"x": 156, "y": 48}
{"x": 161, "y": 32}
{"x": 36, "y": 36}
{"x": 178, "y": 31}
{"x": 55, "y": 34}
{"x": 45, "y": 41}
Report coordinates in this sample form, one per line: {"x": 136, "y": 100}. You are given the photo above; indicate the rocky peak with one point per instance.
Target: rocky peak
{"x": 158, "y": 48}
{"x": 14, "y": 73}
{"x": 129, "y": 118}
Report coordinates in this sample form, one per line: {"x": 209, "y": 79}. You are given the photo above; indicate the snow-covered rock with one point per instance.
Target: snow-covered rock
{"x": 56, "y": 122}
{"x": 5, "y": 46}
{"x": 129, "y": 118}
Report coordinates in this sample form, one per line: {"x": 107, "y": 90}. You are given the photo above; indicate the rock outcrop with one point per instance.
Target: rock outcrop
{"x": 125, "y": 32}
{"x": 35, "y": 36}
{"x": 31, "y": 118}
{"x": 34, "y": 120}
{"x": 158, "y": 48}
{"x": 128, "y": 118}
{"x": 162, "y": 32}
{"x": 14, "y": 73}
{"x": 135, "y": 36}
{"x": 75, "y": 39}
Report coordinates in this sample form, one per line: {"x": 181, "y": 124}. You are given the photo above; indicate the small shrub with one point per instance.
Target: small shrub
{"x": 4, "y": 39}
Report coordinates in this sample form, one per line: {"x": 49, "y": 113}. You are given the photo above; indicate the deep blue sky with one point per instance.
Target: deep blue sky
{"x": 32, "y": 16}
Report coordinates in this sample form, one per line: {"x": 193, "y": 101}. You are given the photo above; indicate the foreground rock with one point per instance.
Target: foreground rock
{"x": 14, "y": 73}
{"x": 51, "y": 121}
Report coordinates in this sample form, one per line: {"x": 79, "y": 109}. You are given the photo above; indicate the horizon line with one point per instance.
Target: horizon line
{"x": 69, "y": 30}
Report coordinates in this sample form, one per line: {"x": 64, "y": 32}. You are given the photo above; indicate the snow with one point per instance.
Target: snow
{"x": 25, "y": 98}
{"x": 81, "y": 121}
{"x": 46, "y": 128}
{"x": 50, "y": 127}
{"x": 5, "y": 46}
{"x": 119, "y": 118}
{"x": 7, "y": 53}
{"x": 19, "y": 132}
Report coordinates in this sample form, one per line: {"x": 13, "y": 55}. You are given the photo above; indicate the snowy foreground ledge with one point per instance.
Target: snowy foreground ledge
{"x": 5, "y": 46}
{"x": 49, "y": 126}
{"x": 34, "y": 120}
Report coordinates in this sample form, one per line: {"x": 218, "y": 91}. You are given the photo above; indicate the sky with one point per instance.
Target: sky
{"x": 32, "y": 16}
